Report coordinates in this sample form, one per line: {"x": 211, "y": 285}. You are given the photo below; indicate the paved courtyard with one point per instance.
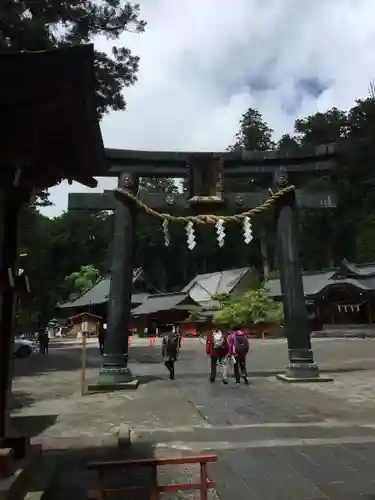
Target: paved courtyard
{"x": 273, "y": 440}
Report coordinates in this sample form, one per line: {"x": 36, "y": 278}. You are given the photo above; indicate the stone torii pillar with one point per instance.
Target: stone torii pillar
{"x": 115, "y": 372}
{"x": 301, "y": 366}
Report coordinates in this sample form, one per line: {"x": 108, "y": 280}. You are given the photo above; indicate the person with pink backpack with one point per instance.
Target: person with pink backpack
{"x": 238, "y": 349}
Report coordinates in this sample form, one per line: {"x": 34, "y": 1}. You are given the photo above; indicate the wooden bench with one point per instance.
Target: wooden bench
{"x": 205, "y": 483}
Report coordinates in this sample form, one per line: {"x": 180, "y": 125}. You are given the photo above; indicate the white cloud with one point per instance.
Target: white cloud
{"x": 200, "y": 59}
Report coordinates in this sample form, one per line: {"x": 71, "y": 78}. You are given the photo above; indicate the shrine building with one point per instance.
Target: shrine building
{"x": 95, "y": 299}
{"x": 340, "y": 296}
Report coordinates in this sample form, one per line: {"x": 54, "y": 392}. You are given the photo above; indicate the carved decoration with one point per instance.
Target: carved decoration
{"x": 170, "y": 200}
{"x": 126, "y": 181}
{"x": 240, "y": 200}
{"x": 281, "y": 180}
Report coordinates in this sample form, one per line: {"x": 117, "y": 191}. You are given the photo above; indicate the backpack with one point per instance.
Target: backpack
{"x": 172, "y": 342}
{"x": 241, "y": 344}
{"x": 218, "y": 339}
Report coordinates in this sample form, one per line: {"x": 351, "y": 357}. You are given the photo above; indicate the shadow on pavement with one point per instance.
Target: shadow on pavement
{"x": 32, "y": 425}
{"x": 70, "y": 359}
{"x": 146, "y": 379}
{"x": 73, "y": 479}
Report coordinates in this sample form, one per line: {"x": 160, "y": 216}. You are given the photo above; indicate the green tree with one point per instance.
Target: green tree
{"x": 33, "y": 239}
{"x": 288, "y": 144}
{"x": 252, "y": 308}
{"x": 46, "y": 24}
{"x": 82, "y": 235}
{"x": 254, "y": 133}
{"x": 152, "y": 255}
{"x": 56, "y": 248}
{"x": 323, "y": 128}
{"x": 158, "y": 185}
{"x": 318, "y": 225}
{"x": 41, "y": 199}
{"x": 80, "y": 281}
{"x": 353, "y": 181}
{"x": 365, "y": 243}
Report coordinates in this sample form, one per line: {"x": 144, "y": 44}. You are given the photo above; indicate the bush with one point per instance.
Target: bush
{"x": 253, "y": 308}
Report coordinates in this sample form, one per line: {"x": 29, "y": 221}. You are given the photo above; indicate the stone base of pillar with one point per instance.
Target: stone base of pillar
{"x": 111, "y": 387}
{"x": 116, "y": 375}
{"x": 302, "y": 368}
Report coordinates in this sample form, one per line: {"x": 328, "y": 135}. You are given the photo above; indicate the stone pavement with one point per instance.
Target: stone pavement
{"x": 273, "y": 440}
{"x": 75, "y": 429}
{"x": 276, "y": 441}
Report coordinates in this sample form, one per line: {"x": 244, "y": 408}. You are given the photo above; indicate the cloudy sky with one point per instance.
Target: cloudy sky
{"x": 204, "y": 62}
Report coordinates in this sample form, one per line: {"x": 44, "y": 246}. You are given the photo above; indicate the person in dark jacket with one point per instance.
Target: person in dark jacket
{"x": 43, "y": 341}
{"x": 170, "y": 348}
{"x": 101, "y": 338}
{"x": 217, "y": 350}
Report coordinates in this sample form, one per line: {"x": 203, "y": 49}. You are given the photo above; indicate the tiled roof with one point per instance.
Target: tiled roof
{"x": 160, "y": 302}
{"x": 99, "y": 293}
{"x": 362, "y": 277}
{"x": 204, "y": 286}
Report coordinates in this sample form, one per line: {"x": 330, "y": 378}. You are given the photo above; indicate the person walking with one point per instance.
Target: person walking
{"x": 170, "y": 348}
{"x": 101, "y": 338}
{"x": 43, "y": 345}
{"x": 43, "y": 341}
{"x": 238, "y": 348}
{"x": 217, "y": 350}
{"x": 46, "y": 342}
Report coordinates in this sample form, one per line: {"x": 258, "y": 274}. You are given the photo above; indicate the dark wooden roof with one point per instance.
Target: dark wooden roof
{"x": 83, "y": 315}
{"x": 50, "y": 126}
{"x": 163, "y": 302}
{"x": 99, "y": 293}
{"x": 361, "y": 277}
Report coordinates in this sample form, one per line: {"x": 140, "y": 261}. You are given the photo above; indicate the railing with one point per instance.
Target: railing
{"x": 101, "y": 491}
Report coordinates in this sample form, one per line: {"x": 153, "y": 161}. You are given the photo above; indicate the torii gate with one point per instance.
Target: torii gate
{"x": 206, "y": 172}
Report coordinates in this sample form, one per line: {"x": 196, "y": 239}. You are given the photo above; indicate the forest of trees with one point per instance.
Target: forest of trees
{"x": 62, "y": 246}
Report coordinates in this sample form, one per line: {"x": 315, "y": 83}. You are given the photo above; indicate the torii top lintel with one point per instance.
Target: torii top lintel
{"x": 235, "y": 164}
